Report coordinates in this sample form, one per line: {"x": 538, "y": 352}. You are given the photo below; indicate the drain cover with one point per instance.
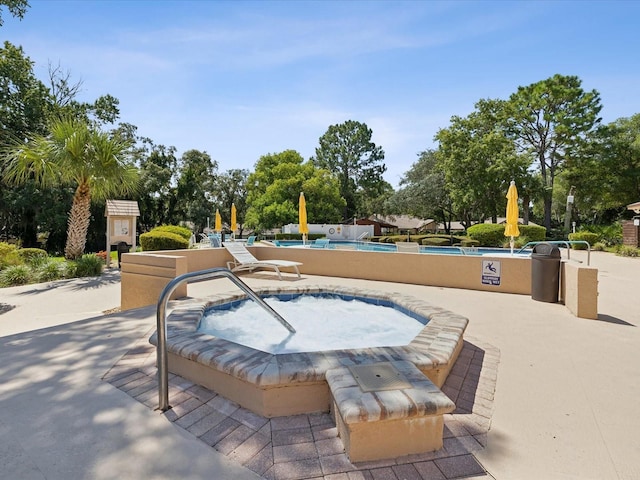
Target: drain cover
{"x": 378, "y": 376}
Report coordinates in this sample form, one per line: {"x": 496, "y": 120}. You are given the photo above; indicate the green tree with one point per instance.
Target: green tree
{"x": 74, "y": 153}
{"x": 25, "y": 102}
{"x": 623, "y": 160}
{"x": 64, "y": 91}
{"x": 157, "y": 198}
{"x": 26, "y": 108}
{"x": 17, "y": 8}
{"x": 274, "y": 188}
{"x": 479, "y": 161}
{"x": 372, "y": 203}
{"x": 196, "y": 181}
{"x": 605, "y": 173}
{"x": 423, "y": 192}
{"x": 231, "y": 188}
{"x": 550, "y": 120}
{"x": 346, "y": 150}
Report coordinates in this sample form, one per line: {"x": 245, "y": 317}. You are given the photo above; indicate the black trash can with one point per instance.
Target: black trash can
{"x": 545, "y": 272}
{"x": 122, "y": 247}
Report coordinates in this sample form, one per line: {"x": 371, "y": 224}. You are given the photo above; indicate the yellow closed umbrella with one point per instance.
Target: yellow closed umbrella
{"x": 218, "y": 224}
{"x": 511, "y": 230}
{"x": 234, "y": 223}
{"x": 302, "y": 217}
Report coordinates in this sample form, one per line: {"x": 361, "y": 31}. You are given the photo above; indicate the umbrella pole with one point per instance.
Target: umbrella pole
{"x": 511, "y": 243}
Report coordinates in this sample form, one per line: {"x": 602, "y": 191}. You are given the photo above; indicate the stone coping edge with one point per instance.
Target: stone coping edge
{"x": 433, "y": 347}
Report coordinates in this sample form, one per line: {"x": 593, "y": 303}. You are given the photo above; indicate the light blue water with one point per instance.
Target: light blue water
{"x": 322, "y": 322}
{"x": 389, "y": 247}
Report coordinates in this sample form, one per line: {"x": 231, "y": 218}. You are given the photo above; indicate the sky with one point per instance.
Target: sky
{"x": 242, "y": 79}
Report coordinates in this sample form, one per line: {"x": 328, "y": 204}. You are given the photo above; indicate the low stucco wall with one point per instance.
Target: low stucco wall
{"x": 142, "y": 281}
{"x": 579, "y": 289}
{"x": 455, "y": 271}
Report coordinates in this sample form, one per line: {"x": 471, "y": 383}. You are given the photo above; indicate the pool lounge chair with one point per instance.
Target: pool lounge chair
{"x": 320, "y": 243}
{"x": 408, "y": 247}
{"x": 243, "y": 259}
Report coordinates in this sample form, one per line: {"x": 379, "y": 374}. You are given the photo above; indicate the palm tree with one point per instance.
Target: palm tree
{"x": 74, "y": 153}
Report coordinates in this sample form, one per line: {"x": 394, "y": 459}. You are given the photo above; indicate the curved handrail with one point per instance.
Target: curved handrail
{"x": 567, "y": 244}
{"x": 161, "y": 319}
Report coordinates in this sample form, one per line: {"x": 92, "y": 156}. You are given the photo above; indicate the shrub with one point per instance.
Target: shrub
{"x": 33, "y": 256}
{"x": 488, "y": 234}
{"x": 49, "y": 270}
{"x": 88, "y": 265}
{"x": 584, "y": 236}
{"x": 184, "y": 232}
{"x": 69, "y": 269}
{"x": 610, "y": 235}
{"x": 162, "y": 240}
{"x": 442, "y": 240}
{"x": 102, "y": 255}
{"x": 627, "y": 251}
{"x": 396, "y": 238}
{"x": 298, "y": 236}
{"x": 9, "y": 255}
{"x": 15, "y": 275}
{"x": 598, "y": 247}
{"x": 492, "y": 234}
{"x": 518, "y": 242}
{"x": 436, "y": 242}
{"x": 533, "y": 233}
{"x": 469, "y": 242}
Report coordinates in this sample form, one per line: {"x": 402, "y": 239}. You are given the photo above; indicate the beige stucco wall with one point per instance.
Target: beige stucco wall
{"x": 455, "y": 271}
{"x": 144, "y": 275}
{"x": 579, "y": 289}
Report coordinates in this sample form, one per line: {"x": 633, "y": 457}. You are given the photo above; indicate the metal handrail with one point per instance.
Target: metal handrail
{"x": 567, "y": 244}
{"x": 161, "y": 318}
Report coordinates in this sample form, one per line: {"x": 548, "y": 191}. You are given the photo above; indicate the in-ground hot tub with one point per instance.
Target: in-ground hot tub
{"x": 280, "y": 384}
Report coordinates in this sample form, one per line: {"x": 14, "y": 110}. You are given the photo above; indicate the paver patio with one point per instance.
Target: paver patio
{"x": 563, "y": 406}
{"x": 307, "y": 446}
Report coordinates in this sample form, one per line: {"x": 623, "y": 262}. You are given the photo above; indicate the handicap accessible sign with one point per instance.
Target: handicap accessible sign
{"x": 491, "y": 272}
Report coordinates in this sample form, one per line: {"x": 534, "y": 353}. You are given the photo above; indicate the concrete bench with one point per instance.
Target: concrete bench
{"x": 386, "y": 410}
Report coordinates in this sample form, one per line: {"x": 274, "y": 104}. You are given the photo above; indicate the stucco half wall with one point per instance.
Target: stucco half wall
{"x": 142, "y": 281}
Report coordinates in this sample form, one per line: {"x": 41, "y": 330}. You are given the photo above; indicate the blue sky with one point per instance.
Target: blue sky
{"x": 240, "y": 79}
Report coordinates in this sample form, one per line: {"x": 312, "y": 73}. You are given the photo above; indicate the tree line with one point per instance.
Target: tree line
{"x": 547, "y": 137}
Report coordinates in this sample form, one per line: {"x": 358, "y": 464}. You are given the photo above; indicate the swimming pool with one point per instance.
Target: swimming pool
{"x": 390, "y": 247}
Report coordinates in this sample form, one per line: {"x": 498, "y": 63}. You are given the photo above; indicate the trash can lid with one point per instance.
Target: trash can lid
{"x": 546, "y": 250}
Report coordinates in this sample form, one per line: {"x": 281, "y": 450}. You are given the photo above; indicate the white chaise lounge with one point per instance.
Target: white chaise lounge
{"x": 244, "y": 260}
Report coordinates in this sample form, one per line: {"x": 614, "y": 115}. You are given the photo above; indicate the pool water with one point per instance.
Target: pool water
{"x": 390, "y": 247}
{"x": 322, "y": 322}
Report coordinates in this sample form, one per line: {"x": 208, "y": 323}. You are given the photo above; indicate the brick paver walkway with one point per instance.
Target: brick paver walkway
{"x": 307, "y": 446}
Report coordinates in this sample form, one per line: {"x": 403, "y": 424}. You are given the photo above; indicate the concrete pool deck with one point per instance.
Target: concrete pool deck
{"x": 565, "y": 402}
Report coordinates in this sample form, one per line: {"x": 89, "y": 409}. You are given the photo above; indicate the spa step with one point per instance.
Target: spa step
{"x": 386, "y": 410}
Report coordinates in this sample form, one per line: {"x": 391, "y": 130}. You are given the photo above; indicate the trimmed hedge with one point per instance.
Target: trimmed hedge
{"x": 535, "y": 233}
{"x": 590, "y": 237}
{"x": 436, "y": 242}
{"x": 163, "y": 240}
{"x": 298, "y": 236}
{"x": 469, "y": 242}
{"x": 184, "y": 232}
{"x": 492, "y": 234}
